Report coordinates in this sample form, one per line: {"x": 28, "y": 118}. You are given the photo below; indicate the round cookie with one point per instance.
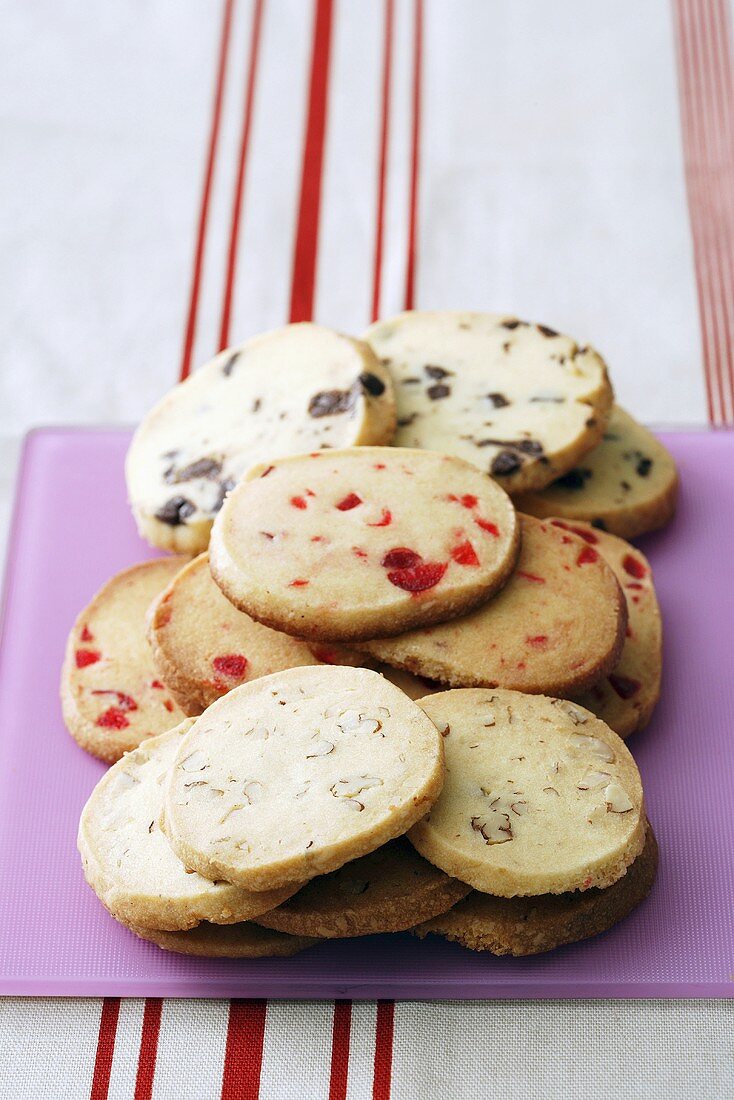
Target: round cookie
{"x": 203, "y": 646}
{"x": 556, "y": 627}
{"x": 540, "y": 796}
{"x": 528, "y": 926}
{"x": 295, "y": 774}
{"x": 626, "y": 698}
{"x": 233, "y": 941}
{"x": 627, "y": 485}
{"x": 299, "y": 388}
{"x": 129, "y": 863}
{"x": 521, "y": 401}
{"x": 386, "y": 891}
{"x": 112, "y": 696}
{"x": 362, "y": 543}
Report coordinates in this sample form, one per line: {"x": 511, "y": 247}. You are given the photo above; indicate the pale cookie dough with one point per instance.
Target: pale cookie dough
{"x": 112, "y": 695}
{"x": 521, "y": 401}
{"x": 540, "y": 796}
{"x": 527, "y": 926}
{"x": 129, "y": 863}
{"x": 627, "y": 485}
{"x": 300, "y": 388}
{"x": 389, "y": 890}
{"x": 626, "y": 698}
{"x": 295, "y": 774}
{"x": 363, "y": 543}
{"x": 233, "y": 941}
{"x": 556, "y": 627}
{"x": 203, "y": 646}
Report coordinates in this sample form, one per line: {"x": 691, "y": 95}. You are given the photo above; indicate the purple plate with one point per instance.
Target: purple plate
{"x": 72, "y": 530}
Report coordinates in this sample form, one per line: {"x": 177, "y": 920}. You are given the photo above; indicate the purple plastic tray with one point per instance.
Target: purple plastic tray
{"x": 72, "y": 530}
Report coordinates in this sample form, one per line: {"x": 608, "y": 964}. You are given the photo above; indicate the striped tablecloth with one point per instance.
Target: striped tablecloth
{"x": 176, "y": 176}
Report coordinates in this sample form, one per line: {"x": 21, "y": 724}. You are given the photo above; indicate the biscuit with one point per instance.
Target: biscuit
{"x": 627, "y": 485}
{"x": 521, "y": 401}
{"x": 528, "y": 926}
{"x": 112, "y": 696}
{"x": 540, "y": 796}
{"x": 362, "y": 543}
{"x": 297, "y": 773}
{"x": 386, "y": 891}
{"x": 299, "y": 388}
{"x": 232, "y": 941}
{"x": 556, "y": 627}
{"x": 626, "y": 698}
{"x": 129, "y": 863}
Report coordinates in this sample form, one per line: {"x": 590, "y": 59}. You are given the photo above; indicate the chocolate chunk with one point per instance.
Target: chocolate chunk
{"x": 644, "y": 466}
{"x": 506, "y": 462}
{"x": 372, "y": 384}
{"x": 499, "y": 401}
{"x": 202, "y": 467}
{"x": 525, "y": 446}
{"x": 331, "y": 402}
{"x": 407, "y": 420}
{"x": 546, "y": 331}
{"x": 591, "y": 422}
{"x": 410, "y": 381}
{"x": 438, "y": 391}
{"x": 511, "y": 324}
{"x": 228, "y": 366}
{"x": 599, "y": 524}
{"x": 175, "y": 511}
{"x": 225, "y": 487}
{"x": 626, "y": 486}
{"x": 437, "y": 372}
{"x": 574, "y": 479}
{"x": 610, "y": 437}
{"x": 257, "y": 404}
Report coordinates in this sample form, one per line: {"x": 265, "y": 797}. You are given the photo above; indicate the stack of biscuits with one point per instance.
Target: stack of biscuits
{"x": 382, "y": 677}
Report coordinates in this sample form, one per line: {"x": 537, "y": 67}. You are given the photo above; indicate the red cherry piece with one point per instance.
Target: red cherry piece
{"x": 156, "y": 684}
{"x": 465, "y": 554}
{"x": 359, "y": 552}
{"x": 380, "y": 466}
{"x": 124, "y": 702}
{"x": 168, "y": 705}
{"x": 298, "y": 502}
{"x": 298, "y": 583}
{"x": 384, "y": 521}
{"x": 400, "y": 557}
{"x": 232, "y": 664}
{"x": 267, "y": 470}
{"x": 587, "y": 536}
{"x": 418, "y": 578}
{"x": 469, "y": 500}
{"x": 624, "y": 687}
{"x": 328, "y": 656}
{"x": 317, "y": 538}
{"x": 529, "y": 577}
{"x": 538, "y": 641}
{"x": 350, "y": 501}
{"x": 633, "y": 566}
{"x": 86, "y": 657}
{"x": 86, "y": 634}
{"x": 487, "y": 525}
{"x": 587, "y": 556}
{"x": 113, "y": 718}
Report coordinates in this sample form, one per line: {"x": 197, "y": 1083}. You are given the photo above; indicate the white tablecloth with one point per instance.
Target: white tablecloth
{"x": 570, "y": 161}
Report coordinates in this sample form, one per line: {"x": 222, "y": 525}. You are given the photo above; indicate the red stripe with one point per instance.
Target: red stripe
{"x": 706, "y": 85}
{"x": 148, "y": 1048}
{"x": 303, "y": 280}
{"x": 193, "y": 308}
{"x": 243, "y": 1056}
{"x": 414, "y": 154}
{"x": 105, "y": 1048}
{"x": 234, "y": 232}
{"x": 382, "y": 164}
{"x": 384, "y": 1026}
{"x": 340, "y": 1035}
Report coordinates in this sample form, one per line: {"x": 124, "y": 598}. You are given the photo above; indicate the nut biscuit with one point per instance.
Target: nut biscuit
{"x": 520, "y": 401}
{"x": 203, "y": 646}
{"x": 299, "y": 388}
{"x": 297, "y": 773}
{"x": 233, "y": 941}
{"x": 386, "y": 891}
{"x": 129, "y": 863}
{"x": 627, "y": 485}
{"x": 540, "y": 796}
{"x": 556, "y": 627}
{"x": 112, "y": 696}
{"x": 626, "y": 698}
{"x": 528, "y": 926}
{"x": 363, "y": 543}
